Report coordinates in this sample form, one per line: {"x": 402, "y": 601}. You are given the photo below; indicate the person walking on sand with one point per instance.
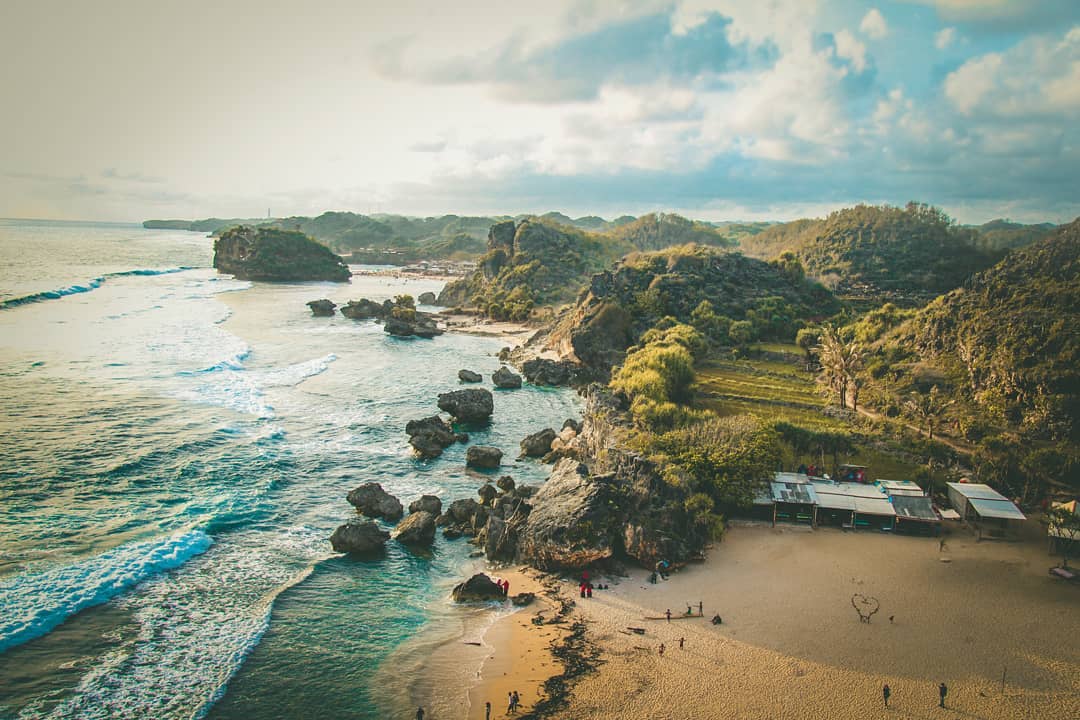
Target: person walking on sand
{"x": 420, "y": 713}
{"x": 886, "y": 692}
{"x": 943, "y": 690}
{"x": 941, "y": 545}
{"x": 668, "y": 613}
{"x": 701, "y": 608}
{"x": 509, "y": 703}
{"x": 517, "y": 700}
{"x": 487, "y": 711}
{"x": 681, "y": 641}
{"x": 661, "y": 649}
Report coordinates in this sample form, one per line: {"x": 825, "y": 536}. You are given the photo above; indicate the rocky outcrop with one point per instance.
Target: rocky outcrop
{"x": 538, "y": 444}
{"x": 417, "y": 529}
{"x": 430, "y": 436}
{"x": 263, "y": 253}
{"x": 543, "y": 371}
{"x": 523, "y": 599}
{"x": 363, "y": 309}
{"x": 474, "y": 405}
{"x": 478, "y": 588}
{"x": 484, "y": 457}
{"x": 426, "y": 298}
{"x": 575, "y": 520}
{"x": 427, "y": 503}
{"x": 469, "y": 376}
{"x": 505, "y": 483}
{"x": 463, "y": 517}
{"x": 322, "y": 308}
{"x": 359, "y": 537}
{"x": 423, "y": 326}
{"x": 487, "y": 494}
{"x": 504, "y": 378}
{"x": 371, "y": 500}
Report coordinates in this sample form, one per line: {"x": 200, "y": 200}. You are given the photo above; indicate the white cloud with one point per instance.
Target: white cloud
{"x": 873, "y": 25}
{"x": 944, "y": 38}
{"x": 850, "y": 48}
{"x": 1037, "y": 77}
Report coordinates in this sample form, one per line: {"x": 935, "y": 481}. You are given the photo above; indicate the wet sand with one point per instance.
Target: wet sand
{"x": 792, "y": 646}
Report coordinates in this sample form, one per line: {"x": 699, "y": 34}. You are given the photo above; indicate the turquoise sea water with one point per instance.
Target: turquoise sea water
{"x": 176, "y": 448}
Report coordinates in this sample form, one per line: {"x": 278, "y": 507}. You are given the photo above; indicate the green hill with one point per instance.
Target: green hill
{"x": 657, "y": 231}
{"x": 731, "y": 299}
{"x": 533, "y": 263}
{"x": 907, "y": 255}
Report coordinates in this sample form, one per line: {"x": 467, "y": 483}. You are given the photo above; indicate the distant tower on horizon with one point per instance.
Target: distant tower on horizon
{"x": 267, "y": 213}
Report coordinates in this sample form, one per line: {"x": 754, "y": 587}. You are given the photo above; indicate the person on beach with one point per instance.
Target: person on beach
{"x": 943, "y": 690}
{"x": 517, "y": 700}
{"x": 588, "y": 590}
{"x": 506, "y": 587}
{"x": 681, "y": 641}
{"x": 701, "y": 608}
{"x": 420, "y": 713}
{"x": 941, "y": 545}
{"x": 668, "y": 613}
{"x": 487, "y": 711}
{"x": 509, "y": 703}
{"x": 717, "y": 620}
{"x": 886, "y": 692}
{"x": 661, "y": 649}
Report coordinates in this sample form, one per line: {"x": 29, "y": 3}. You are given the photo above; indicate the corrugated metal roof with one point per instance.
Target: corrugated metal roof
{"x": 830, "y": 501}
{"x": 899, "y": 487}
{"x": 914, "y": 507}
{"x": 874, "y": 506}
{"x": 790, "y": 477}
{"x": 977, "y": 490}
{"x": 852, "y": 489}
{"x": 1003, "y": 509}
{"x": 794, "y": 493}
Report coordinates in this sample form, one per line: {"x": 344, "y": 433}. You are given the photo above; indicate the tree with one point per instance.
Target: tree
{"x": 807, "y": 339}
{"x": 927, "y": 408}
{"x": 840, "y": 361}
{"x": 1064, "y": 523}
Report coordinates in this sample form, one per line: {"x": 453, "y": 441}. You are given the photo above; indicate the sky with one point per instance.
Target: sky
{"x": 718, "y": 109}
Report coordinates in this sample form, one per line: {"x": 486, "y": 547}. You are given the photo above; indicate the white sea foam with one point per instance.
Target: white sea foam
{"x": 196, "y": 628}
{"x": 34, "y": 603}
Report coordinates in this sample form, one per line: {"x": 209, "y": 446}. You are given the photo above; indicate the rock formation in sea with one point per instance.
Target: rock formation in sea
{"x": 262, "y": 253}
{"x": 544, "y": 371}
{"x": 426, "y": 298}
{"x": 370, "y": 499}
{"x": 506, "y": 379}
{"x": 359, "y": 537}
{"x": 430, "y": 436}
{"x": 322, "y": 308}
{"x": 463, "y": 517}
{"x": 417, "y": 529}
{"x": 484, "y": 457}
{"x": 538, "y": 444}
{"x": 477, "y": 588}
{"x": 474, "y": 405}
{"x": 469, "y": 376}
{"x": 363, "y": 309}
{"x": 427, "y": 503}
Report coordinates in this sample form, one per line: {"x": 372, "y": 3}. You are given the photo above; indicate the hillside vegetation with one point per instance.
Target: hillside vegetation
{"x": 729, "y": 298}
{"x": 907, "y": 254}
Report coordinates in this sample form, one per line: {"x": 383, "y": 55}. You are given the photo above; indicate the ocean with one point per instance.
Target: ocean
{"x": 176, "y": 449}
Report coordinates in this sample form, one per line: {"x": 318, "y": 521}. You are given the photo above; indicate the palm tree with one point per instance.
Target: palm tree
{"x": 927, "y": 408}
{"x": 840, "y": 361}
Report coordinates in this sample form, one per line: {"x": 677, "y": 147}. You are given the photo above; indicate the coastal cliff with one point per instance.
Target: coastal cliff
{"x": 267, "y": 254}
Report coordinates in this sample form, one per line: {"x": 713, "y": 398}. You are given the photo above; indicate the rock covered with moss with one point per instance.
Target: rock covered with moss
{"x": 250, "y": 253}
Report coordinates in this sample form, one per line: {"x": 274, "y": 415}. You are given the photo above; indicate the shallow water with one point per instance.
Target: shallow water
{"x": 177, "y": 450}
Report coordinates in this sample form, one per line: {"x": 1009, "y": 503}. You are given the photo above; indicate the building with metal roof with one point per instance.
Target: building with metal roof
{"x": 853, "y": 505}
{"x": 985, "y": 510}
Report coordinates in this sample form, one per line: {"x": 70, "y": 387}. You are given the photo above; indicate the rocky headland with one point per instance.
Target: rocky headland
{"x": 267, "y": 254}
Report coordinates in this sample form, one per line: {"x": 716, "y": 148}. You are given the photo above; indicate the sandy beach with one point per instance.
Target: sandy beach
{"x": 792, "y": 646}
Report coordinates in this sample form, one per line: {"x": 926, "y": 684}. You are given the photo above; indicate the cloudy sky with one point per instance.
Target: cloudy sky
{"x": 722, "y": 109}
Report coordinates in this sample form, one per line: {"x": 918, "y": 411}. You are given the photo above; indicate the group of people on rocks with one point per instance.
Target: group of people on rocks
{"x": 503, "y": 585}
{"x": 586, "y": 587}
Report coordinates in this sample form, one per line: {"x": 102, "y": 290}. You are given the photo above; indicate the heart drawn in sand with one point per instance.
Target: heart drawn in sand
{"x": 865, "y": 606}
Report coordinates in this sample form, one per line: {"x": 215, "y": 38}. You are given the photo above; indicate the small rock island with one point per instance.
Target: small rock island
{"x": 262, "y": 253}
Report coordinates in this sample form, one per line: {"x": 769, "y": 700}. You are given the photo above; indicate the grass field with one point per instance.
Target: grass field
{"x": 777, "y": 390}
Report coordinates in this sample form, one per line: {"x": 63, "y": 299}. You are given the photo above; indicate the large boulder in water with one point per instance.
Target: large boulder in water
{"x": 538, "y": 444}
{"x": 469, "y": 376}
{"x": 371, "y": 500}
{"x": 265, "y": 253}
{"x": 506, "y": 379}
{"x": 362, "y": 309}
{"x": 426, "y": 298}
{"x": 417, "y": 529}
{"x": 359, "y": 537}
{"x": 322, "y": 308}
{"x": 427, "y": 503}
{"x": 574, "y": 521}
{"x": 483, "y": 456}
{"x": 472, "y": 405}
{"x": 542, "y": 371}
{"x": 430, "y": 436}
{"x": 478, "y": 587}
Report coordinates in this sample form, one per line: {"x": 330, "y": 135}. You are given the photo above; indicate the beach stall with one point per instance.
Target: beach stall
{"x": 866, "y": 505}
{"x": 986, "y": 511}
{"x": 794, "y": 498}
{"x": 915, "y": 515}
